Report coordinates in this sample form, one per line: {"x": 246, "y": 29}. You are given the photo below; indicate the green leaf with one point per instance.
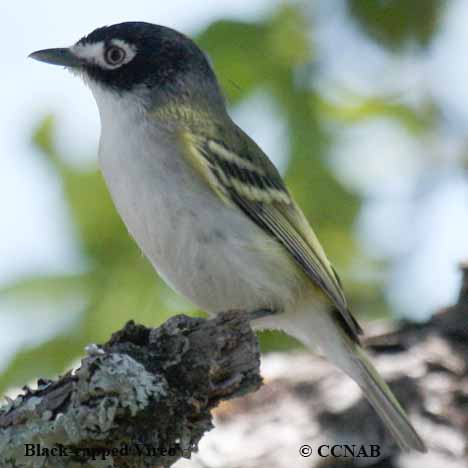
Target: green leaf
{"x": 250, "y": 55}
{"x": 100, "y": 229}
{"x": 327, "y": 204}
{"x": 130, "y": 289}
{"x": 359, "y": 109}
{"x": 272, "y": 340}
{"x": 40, "y": 288}
{"x": 42, "y": 137}
{"x": 45, "y": 360}
{"x": 239, "y": 54}
{"x": 44, "y": 141}
{"x": 395, "y": 23}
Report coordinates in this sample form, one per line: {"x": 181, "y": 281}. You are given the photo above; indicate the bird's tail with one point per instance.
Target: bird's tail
{"x": 383, "y": 400}
{"x": 317, "y": 328}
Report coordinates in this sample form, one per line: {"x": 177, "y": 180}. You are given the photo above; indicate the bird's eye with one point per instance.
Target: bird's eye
{"x": 114, "y": 55}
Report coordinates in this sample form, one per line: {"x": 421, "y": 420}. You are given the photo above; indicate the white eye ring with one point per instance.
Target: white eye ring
{"x": 114, "y": 55}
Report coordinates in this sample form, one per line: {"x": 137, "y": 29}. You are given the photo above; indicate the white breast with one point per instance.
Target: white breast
{"x": 211, "y": 253}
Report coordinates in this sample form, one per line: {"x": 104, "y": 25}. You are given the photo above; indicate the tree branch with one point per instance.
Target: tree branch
{"x": 142, "y": 399}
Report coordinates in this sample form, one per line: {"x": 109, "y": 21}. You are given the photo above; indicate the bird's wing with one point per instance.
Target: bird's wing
{"x": 242, "y": 175}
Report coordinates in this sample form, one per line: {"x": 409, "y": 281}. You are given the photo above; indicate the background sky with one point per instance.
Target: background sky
{"x": 429, "y": 236}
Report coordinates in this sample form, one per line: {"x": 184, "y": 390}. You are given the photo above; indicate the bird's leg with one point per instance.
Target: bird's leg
{"x": 261, "y": 313}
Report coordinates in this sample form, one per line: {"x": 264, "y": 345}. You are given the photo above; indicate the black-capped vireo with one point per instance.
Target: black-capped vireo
{"x": 206, "y": 205}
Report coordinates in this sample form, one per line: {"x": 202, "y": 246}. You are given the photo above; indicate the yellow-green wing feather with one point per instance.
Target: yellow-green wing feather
{"x": 241, "y": 174}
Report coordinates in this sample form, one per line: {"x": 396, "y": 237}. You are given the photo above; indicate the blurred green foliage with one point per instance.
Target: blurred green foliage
{"x": 273, "y": 54}
{"x": 397, "y": 23}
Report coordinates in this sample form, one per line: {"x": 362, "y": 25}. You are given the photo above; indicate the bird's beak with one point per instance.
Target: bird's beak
{"x": 62, "y": 56}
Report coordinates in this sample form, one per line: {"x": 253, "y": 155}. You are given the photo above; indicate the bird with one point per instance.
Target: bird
{"x": 205, "y": 204}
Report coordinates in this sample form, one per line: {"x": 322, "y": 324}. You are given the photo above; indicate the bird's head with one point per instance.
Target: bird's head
{"x": 148, "y": 62}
